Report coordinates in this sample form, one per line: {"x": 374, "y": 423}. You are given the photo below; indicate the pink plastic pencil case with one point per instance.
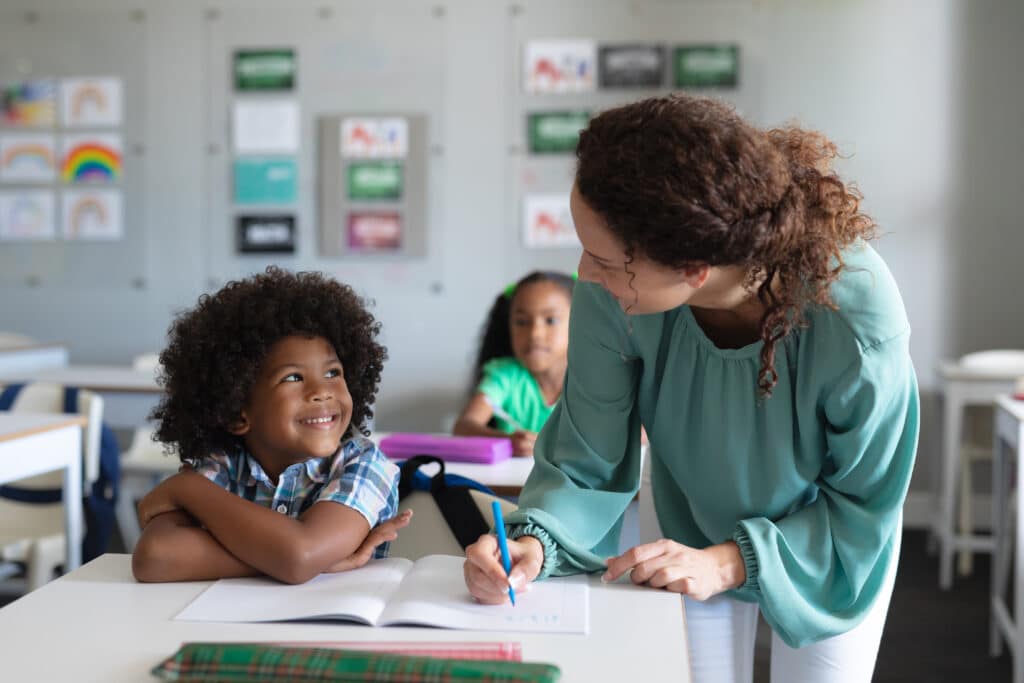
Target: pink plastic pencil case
{"x": 483, "y": 450}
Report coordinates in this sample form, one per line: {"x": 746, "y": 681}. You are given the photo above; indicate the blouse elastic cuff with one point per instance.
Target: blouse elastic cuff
{"x": 546, "y": 542}
{"x": 749, "y": 559}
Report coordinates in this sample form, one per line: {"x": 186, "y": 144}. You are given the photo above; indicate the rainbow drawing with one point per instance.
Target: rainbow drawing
{"x": 91, "y": 159}
{"x": 91, "y": 102}
{"x": 92, "y": 215}
{"x": 27, "y": 158}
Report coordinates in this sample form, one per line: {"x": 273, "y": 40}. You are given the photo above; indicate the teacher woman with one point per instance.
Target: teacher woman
{"x": 729, "y": 303}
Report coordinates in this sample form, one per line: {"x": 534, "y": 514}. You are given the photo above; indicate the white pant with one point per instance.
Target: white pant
{"x": 721, "y": 633}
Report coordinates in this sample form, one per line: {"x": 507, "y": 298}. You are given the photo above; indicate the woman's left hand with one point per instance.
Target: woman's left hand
{"x": 673, "y": 566}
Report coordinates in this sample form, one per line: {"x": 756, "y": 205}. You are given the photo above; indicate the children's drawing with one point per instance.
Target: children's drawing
{"x": 29, "y": 104}
{"x": 91, "y": 158}
{"x": 27, "y": 215}
{"x": 92, "y": 215}
{"x": 89, "y": 102}
{"x": 547, "y": 221}
{"x": 28, "y": 158}
{"x": 374, "y": 138}
{"x": 559, "y": 66}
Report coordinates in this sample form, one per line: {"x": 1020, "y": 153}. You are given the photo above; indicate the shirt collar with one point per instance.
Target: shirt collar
{"x": 317, "y": 469}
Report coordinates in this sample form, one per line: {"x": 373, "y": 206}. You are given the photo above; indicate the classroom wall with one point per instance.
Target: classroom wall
{"x": 921, "y": 95}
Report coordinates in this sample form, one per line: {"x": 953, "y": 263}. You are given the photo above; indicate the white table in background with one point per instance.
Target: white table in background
{"x": 35, "y": 443}
{"x": 51, "y": 634}
{"x": 32, "y": 357}
{"x": 962, "y": 387}
{"x": 1008, "y": 456}
{"x": 128, "y": 395}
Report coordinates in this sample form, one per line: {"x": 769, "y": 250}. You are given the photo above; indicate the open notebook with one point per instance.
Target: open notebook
{"x": 396, "y": 591}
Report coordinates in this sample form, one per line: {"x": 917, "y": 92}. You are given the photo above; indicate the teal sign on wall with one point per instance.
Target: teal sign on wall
{"x": 707, "y": 66}
{"x": 264, "y": 69}
{"x": 265, "y": 181}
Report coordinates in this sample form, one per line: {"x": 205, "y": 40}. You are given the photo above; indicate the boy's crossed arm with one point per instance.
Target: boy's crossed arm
{"x": 193, "y": 529}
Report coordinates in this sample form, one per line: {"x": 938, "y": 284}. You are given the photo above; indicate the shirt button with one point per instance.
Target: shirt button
{"x": 282, "y": 508}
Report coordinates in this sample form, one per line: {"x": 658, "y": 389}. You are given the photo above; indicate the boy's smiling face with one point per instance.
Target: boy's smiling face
{"x": 299, "y": 407}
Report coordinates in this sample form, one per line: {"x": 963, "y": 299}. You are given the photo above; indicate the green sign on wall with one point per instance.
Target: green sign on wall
{"x": 555, "y": 132}
{"x": 265, "y": 181}
{"x": 707, "y": 66}
{"x": 375, "y": 180}
{"x": 264, "y": 69}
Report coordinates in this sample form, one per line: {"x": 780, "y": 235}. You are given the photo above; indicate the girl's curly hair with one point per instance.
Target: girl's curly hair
{"x": 684, "y": 180}
{"x": 215, "y": 351}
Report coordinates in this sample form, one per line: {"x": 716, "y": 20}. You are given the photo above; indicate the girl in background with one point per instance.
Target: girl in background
{"x": 521, "y": 364}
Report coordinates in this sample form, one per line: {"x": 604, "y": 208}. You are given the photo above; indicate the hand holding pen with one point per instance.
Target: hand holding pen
{"x": 485, "y": 575}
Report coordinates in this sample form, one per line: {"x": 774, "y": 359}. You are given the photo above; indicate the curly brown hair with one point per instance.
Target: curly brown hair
{"x": 215, "y": 351}
{"x": 684, "y": 180}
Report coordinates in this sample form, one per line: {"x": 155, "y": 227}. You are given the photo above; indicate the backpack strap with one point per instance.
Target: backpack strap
{"x": 8, "y": 395}
{"x": 455, "y": 502}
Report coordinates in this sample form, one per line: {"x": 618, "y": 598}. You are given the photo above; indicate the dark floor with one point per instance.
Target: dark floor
{"x": 930, "y": 635}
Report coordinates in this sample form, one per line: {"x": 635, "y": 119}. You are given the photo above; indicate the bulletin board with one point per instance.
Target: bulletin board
{"x": 539, "y": 177}
{"x": 351, "y": 60}
{"x": 75, "y": 218}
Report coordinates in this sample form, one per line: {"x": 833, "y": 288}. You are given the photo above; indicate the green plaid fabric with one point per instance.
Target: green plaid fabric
{"x": 229, "y": 662}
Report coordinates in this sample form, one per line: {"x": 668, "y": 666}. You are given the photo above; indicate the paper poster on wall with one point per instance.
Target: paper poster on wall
{"x": 266, "y": 126}
{"x": 266, "y": 234}
{"x": 92, "y": 215}
{"x": 27, "y": 215}
{"x": 374, "y": 180}
{"x": 374, "y": 138}
{"x": 91, "y": 102}
{"x": 547, "y": 221}
{"x": 631, "y": 66}
{"x": 28, "y": 158}
{"x": 91, "y": 158}
{"x": 559, "y": 66}
{"x": 29, "y": 104}
{"x": 555, "y": 132}
{"x": 374, "y": 231}
{"x": 265, "y": 181}
{"x": 707, "y": 66}
{"x": 264, "y": 69}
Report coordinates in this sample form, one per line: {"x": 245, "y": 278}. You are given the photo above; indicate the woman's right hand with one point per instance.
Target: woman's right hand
{"x": 486, "y": 578}
{"x": 523, "y": 442}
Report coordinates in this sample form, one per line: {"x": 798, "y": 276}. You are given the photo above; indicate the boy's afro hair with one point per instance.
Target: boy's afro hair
{"x": 214, "y": 353}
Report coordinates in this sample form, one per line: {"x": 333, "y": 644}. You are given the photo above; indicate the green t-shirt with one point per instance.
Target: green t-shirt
{"x": 809, "y": 482}
{"x": 511, "y": 387}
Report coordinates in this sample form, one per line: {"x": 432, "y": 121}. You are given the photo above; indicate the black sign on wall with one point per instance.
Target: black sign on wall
{"x": 266, "y": 233}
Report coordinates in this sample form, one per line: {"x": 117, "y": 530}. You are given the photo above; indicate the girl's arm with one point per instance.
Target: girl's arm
{"x": 473, "y": 422}
{"x": 288, "y": 549}
{"x": 474, "y": 418}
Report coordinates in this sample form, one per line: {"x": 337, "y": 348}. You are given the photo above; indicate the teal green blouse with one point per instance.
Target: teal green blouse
{"x": 809, "y": 482}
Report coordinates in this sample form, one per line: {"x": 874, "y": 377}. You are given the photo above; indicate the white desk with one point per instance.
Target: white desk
{"x": 128, "y": 394}
{"x": 32, "y": 444}
{"x": 1008, "y": 445}
{"x": 961, "y": 388}
{"x": 31, "y": 357}
{"x": 52, "y": 634}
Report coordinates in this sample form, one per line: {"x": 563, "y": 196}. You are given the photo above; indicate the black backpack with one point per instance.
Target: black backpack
{"x": 451, "y": 494}
{"x": 99, "y": 502}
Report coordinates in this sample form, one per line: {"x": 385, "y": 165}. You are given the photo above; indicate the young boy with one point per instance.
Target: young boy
{"x": 269, "y": 383}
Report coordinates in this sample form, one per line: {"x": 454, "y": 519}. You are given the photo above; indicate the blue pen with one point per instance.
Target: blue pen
{"x": 506, "y": 561}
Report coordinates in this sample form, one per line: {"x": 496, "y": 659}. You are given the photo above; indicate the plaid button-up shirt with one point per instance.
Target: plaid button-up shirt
{"x": 358, "y": 475}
